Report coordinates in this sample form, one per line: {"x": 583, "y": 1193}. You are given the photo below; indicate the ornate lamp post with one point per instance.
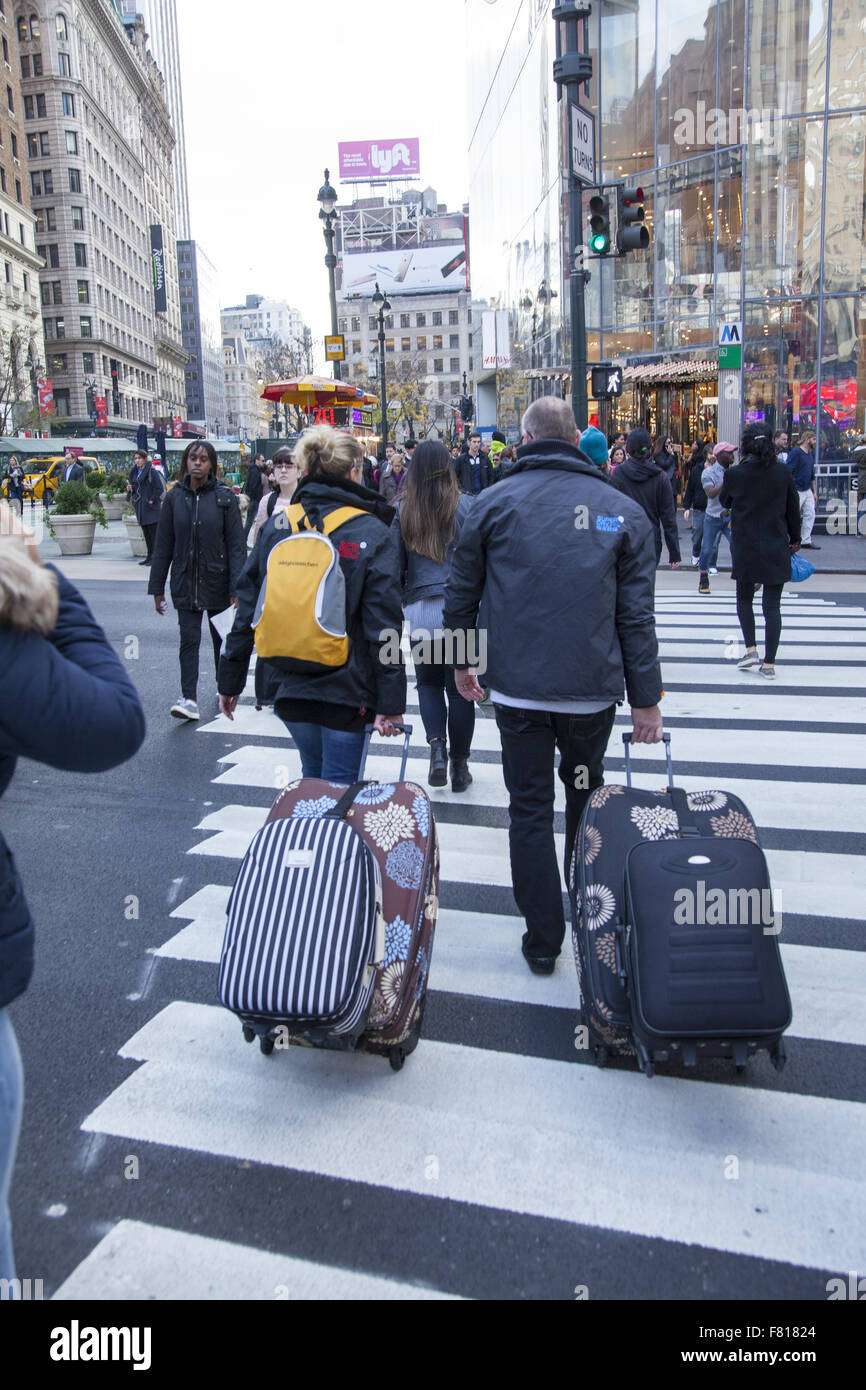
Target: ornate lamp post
{"x": 328, "y": 198}
{"x": 380, "y": 299}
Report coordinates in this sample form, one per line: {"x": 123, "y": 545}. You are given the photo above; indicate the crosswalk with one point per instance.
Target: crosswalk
{"x": 498, "y": 1121}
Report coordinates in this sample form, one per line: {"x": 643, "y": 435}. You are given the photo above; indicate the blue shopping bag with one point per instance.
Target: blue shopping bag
{"x": 800, "y": 568}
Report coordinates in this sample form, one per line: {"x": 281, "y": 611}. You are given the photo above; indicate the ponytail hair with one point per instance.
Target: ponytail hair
{"x": 757, "y": 441}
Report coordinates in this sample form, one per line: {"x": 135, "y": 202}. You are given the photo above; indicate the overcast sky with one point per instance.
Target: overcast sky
{"x": 268, "y": 94}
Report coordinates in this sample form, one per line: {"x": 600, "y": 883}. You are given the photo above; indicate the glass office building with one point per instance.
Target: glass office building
{"x": 744, "y": 121}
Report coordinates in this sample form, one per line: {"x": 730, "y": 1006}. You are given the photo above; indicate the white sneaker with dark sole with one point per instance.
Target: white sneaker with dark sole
{"x": 695, "y": 559}
{"x": 185, "y": 709}
{"x": 749, "y": 660}
{"x": 712, "y": 571}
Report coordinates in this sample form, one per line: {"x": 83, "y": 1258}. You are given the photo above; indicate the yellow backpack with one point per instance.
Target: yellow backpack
{"x": 300, "y": 616}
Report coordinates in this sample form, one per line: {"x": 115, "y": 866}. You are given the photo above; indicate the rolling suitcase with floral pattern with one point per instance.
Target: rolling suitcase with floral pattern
{"x": 394, "y": 832}
{"x": 655, "y": 983}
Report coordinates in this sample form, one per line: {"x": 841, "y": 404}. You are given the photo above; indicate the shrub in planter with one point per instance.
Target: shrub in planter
{"x": 77, "y": 499}
{"x": 94, "y": 481}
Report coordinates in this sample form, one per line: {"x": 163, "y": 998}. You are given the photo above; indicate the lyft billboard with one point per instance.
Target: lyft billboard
{"x": 378, "y": 159}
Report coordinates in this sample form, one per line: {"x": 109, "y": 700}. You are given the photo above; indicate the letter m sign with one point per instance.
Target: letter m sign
{"x": 731, "y": 346}
{"x": 731, "y": 333}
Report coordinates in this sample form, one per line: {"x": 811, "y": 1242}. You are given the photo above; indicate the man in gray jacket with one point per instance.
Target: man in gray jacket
{"x": 565, "y": 566}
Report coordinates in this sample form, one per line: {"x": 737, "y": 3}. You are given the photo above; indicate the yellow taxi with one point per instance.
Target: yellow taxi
{"x": 44, "y": 475}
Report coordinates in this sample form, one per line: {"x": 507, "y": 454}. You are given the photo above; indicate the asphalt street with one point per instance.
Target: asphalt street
{"x": 190, "y": 1166}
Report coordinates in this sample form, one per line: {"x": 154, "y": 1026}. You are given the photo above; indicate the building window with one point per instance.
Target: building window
{"x": 437, "y": 339}
{"x": 77, "y": 219}
{"x": 58, "y": 362}
{"x": 454, "y": 340}
{"x": 74, "y": 180}
{"x": 44, "y": 288}
{"x": 65, "y": 65}
{"x": 18, "y": 196}
{"x": 356, "y": 325}
{"x": 437, "y": 364}
{"x": 2, "y": 178}
{"x": 46, "y": 220}
{"x": 455, "y": 364}
{"x": 453, "y": 316}
{"x": 88, "y": 360}
{"x": 35, "y": 106}
{"x": 68, "y": 101}
{"x": 62, "y": 33}
{"x": 56, "y": 291}
{"x": 404, "y": 320}
{"x": 34, "y": 26}
{"x": 61, "y": 402}
{"x": 9, "y": 102}
{"x": 80, "y": 253}
{"x": 87, "y": 328}
{"x": 437, "y": 318}
{"x": 36, "y": 60}
{"x": 13, "y": 138}
{"x": 420, "y": 320}
{"x": 84, "y": 291}
{"x": 22, "y": 30}
{"x": 25, "y": 66}
{"x": 71, "y": 142}
{"x": 389, "y": 344}
{"x": 5, "y": 51}
{"x": 405, "y": 344}
{"x": 373, "y": 324}
{"x": 60, "y": 328}
{"x": 421, "y": 343}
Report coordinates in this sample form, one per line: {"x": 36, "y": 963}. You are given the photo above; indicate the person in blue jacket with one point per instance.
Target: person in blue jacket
{"x": 65, "y": 700}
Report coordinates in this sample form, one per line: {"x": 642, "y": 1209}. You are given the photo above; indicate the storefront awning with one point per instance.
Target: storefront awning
{"x": 677, "y": 371}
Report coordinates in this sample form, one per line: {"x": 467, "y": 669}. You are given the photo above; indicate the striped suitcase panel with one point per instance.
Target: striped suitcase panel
{"x": 301, "y": 935}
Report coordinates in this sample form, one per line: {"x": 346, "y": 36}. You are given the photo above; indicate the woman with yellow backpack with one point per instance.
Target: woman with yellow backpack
{"x": 319, "y": 599}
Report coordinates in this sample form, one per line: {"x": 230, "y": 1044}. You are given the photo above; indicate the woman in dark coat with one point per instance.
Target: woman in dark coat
{"x": 326, "y": 708}
{"x": 201, "y": 536}
{"x": 641, "y": 479}
{"x": 765, "y": 529}
{"x": 65, "y": 700}
{"x": 146, "y": 488}
{"x": 666, "y": 459}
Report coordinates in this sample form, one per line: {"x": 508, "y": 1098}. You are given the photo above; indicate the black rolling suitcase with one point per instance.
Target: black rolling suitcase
{"x": 674, "y": 931}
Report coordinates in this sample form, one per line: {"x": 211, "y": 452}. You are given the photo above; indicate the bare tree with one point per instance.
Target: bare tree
{"x": 19, "y": 368}
{"x": 282, "y": 360}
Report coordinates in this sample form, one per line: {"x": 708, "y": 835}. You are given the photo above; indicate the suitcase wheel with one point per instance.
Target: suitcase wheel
{"x": 601, "y": 1055}
{"x": 249, "y": 1033}
{"x": 396, "y": 1057}
{"x": 267, "y": 1045}
{"x": 779, "y": 1057}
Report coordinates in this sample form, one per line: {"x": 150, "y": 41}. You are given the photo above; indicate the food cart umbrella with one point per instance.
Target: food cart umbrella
{"x": 310, "y": 391}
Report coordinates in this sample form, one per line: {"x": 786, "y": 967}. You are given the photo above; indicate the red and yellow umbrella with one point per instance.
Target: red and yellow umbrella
{"x": 311, "y": 391}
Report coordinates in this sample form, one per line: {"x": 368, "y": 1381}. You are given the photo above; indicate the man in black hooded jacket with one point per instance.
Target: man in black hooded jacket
{"x": 641, "y": 478}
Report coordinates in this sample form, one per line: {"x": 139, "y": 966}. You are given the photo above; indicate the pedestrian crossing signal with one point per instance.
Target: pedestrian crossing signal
{"x": 606, "y": 382}
{"x": 599, "y": 225}
{"x": 631, "y": 234}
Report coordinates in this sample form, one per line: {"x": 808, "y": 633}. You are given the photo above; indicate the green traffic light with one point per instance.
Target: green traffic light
{"x": 599, "y": 244}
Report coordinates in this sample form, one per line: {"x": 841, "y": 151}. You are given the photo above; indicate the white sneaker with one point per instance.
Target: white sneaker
{"x": 185, "y": 709}
{"x": 695, "y": 559}
{"x": 712, "y": 571}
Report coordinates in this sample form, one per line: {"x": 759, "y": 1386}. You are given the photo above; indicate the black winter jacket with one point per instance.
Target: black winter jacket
{"x": 647, "y": 484}
{"x": 254, "y": 485}
{"x": 201, "y": 536}
{"x": 565, "y": 566}
{"x": 368, "y": 549}
{"x": 65, "y": 700}
{"x": 148, "y": 490}
{"x": 765, "y": 520}
{"x": 695, "y": 499}
{"x": 463, "y": 469}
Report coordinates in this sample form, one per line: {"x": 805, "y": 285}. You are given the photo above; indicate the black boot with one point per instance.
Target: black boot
{"x": 438, "y": 774}
{"x": 460, "y": 774}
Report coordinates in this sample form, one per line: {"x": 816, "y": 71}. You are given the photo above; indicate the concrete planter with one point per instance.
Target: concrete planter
{"x": 74, "y": 534}
{"x": 136, "y": 537}
{"x": 114, "y": 504}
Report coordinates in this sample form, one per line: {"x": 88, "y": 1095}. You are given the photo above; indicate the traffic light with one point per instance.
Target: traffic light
{"x": 599, "y": 225}
{"x": 466, "y": 407}
{"x": 631, "y": 234}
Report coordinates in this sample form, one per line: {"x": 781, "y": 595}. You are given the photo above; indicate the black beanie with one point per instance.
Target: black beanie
{"x": 639, "y": 445}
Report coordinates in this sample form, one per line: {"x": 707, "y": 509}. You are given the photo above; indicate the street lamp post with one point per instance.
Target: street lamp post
{"x": 380, "y": 299}
{"x": 572, "y": 69}
{"x": 328, "y": 198}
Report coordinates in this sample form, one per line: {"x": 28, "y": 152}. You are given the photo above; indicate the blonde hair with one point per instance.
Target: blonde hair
{"x": 28, "y": 593}
{"x": 322, "y": 449}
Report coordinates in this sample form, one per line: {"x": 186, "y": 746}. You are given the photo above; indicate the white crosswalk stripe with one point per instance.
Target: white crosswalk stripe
{"x": 512, "y": 1129}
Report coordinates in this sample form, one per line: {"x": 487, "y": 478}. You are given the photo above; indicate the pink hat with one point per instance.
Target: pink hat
{"x": 724, "y": 449}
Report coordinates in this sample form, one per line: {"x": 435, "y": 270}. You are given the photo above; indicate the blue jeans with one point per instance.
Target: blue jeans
{"x": 331, "y": 754}
{"x": 697, "y": 532}
{"x": 714, "y": 528}
{"x": 11, "y": 1103}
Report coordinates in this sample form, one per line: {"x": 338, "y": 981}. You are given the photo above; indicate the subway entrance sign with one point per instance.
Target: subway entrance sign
{"x": 731, "y": 346}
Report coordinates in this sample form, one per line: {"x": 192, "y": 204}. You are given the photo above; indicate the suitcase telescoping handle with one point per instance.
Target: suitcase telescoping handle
{"x": 626, "y": 738}
{"x": 407, "y": 734}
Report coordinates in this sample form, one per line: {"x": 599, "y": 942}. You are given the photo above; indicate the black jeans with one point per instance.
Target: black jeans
{"x": 529, "y": 741}
{"x": 190, "y": 641}
{"x": 149, "y": 529}
{"x": 771, "y": 603}
{"x": 435, "y": 684}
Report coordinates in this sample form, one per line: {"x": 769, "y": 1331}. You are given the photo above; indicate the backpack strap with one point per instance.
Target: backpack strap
{"x": 338, "y": 517}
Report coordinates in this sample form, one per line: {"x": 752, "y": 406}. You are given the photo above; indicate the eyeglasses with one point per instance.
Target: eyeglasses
{"x": 278, "y": 466}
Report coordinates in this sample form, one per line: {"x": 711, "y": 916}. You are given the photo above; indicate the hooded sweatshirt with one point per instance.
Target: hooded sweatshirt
{"x": 647, "y": 484}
